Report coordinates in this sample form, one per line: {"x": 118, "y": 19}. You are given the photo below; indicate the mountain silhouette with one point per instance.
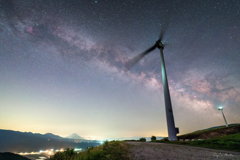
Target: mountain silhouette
{"x": 74, "y": 136}
{"x": 15, "y": 141}
{"x": 50, "y": 135}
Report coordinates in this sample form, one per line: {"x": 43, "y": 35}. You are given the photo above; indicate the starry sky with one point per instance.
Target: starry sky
{"x": 62, "y": 66}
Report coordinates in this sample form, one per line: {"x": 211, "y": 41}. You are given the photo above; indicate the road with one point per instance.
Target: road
{"x": 158, "y": 151}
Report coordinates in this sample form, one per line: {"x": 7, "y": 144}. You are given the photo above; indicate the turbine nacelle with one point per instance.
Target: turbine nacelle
{"x": 159, "y": 44}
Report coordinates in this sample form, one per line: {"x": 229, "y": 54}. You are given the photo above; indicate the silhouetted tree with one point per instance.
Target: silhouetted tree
{"x": 153, "y": 138}
{"x": 68, "y": 154}
{"x": 142, "y": 139}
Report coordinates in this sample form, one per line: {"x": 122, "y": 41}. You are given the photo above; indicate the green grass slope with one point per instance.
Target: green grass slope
{"x": 229, "y": 142}
{"x": 114, "y": 150}
{"x": 212, "y": 132}
{"x": 224, "y": 138}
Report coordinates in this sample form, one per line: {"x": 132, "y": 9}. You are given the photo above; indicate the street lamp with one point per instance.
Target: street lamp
{"x": 221, "y": 109}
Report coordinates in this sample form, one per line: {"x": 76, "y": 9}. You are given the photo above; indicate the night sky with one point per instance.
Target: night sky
{"x": 62, "y": 66}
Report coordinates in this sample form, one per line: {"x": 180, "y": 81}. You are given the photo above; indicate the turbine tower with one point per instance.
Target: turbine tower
{"x": 172, "y": 130}
{"x": 221, "y": 109}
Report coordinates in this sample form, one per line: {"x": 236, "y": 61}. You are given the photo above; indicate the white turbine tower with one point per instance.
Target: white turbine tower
{"x": 172, "y": 131}
{"x": 221, "y": 109}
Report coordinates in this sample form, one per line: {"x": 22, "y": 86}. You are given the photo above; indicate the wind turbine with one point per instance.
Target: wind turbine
{"x": 172, "y": 131}
{"x": 221, "y": 109}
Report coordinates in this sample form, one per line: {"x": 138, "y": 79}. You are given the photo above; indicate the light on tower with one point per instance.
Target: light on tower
{"x": 220, "y": 108}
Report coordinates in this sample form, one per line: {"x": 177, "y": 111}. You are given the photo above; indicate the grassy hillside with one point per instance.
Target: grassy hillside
{"x": 212, "y": 132}
{"x": 115, "y": 150}
{"x": 216, "y": 127}
{"x": 229, "y": 142}
{"x": 225, "y": 138}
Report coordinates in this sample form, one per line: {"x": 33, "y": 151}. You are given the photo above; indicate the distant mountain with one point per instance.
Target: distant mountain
{"x": 15, "y": 141}
{"x": 74, "y": 136}
{"x": 11, "y": 156}
{"x": 50, "y": 135}
{"x": 10, "y": 133}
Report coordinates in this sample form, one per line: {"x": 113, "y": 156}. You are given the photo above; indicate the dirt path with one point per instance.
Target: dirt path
{"x": 158, "y": 151}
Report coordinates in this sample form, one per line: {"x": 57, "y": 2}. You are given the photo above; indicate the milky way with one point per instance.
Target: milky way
{"x": 62, "y": 65}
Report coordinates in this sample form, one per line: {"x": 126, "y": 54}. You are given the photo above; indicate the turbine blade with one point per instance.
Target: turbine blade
{"x": 164, "y": 28}
{"x": 132, "y": 62}
{"x": 162, "y": 32}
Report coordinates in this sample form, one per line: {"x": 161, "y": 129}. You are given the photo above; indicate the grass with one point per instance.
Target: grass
{"x": 114, "y": 150}
{"x": 207, "y": 130}
{"x": 140, "y": 140}
{"x": 228, "y": 142}
{"x": 203, "y": 131}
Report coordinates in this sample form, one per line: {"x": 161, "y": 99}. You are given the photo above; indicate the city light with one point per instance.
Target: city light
{"x": 77, "y": 149}
{"x": 49, "y": 151}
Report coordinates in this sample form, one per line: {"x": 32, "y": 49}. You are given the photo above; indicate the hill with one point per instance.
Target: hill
{"x": 11, "y": 156}
{"x": 218, "y": 127}
{"x": 10, "y": 133}
{"x": 224, "y": 138}
{"x": 50, "y": 135}
{"x": 213, "y": 132}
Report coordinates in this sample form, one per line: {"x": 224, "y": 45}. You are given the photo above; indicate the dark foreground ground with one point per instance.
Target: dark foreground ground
{"x": 11, "y": 156}
{"x": 158, "y": 151}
